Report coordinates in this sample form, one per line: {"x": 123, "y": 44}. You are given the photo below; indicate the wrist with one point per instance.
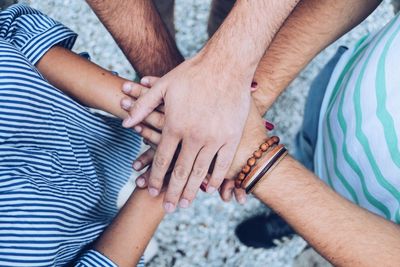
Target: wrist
{"x": 223, "y": 61}
{"x": 283, "y": 180}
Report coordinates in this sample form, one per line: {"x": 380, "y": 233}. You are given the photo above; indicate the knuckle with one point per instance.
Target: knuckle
{"x": 180, "y": 173}
{"x": 136, "y": 106}
{"x": 198, "y": 137}
{"x": 198, "y": 171}
{"x": 222, "y": 164}
{"x": 190, "y": 193}
{"x": 160, "y": 161}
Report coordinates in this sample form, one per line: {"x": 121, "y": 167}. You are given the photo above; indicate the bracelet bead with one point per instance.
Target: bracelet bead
{"x": 251, "y": 161}
{"x": 264, "y": 147}
{"x": 246, "y": 169}
{"x": 257, "y": 154}
{"x": 241, "y": 176}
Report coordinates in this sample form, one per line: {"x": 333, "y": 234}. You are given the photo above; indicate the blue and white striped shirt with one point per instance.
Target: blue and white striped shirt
{"x": 61, "y": 166}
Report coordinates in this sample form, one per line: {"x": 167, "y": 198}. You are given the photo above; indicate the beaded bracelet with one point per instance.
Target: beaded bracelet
{"x": 278, "y": 153}
{"x": 251, "y": 162}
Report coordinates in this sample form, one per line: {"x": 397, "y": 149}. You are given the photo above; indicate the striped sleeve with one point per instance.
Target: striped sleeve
{"x": 93, "y": 258}
{"x": 32, "y": 32}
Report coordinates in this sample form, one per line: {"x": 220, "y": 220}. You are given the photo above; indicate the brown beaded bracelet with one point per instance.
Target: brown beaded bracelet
{"x": 278, "y": 153}
{"x": 251, "y": 162}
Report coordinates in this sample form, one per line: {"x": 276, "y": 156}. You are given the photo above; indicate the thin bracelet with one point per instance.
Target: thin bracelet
{"x": 277, "y": 157}
{"x": 260, "y": 166}
{"x": 251, "y": 162}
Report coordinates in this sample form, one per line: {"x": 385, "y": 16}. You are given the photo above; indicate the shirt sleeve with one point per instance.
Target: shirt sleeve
{"x": 32, "y": 32}
{"x": 93, "y": 258}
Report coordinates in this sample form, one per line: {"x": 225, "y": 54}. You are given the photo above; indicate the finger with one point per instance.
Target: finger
{"x": 143, "y": 107}
{"x": 148, "y": 133}
{"x": 143, "y": 180}
{"x": 162, "y": 159}
{"x": 134, "y": 90}
{"x": 144, "y": 160}
{"x": 180, "y": 175}
{"x": 126, "y": 103}
{"x": 226, "y": 190}
{"x": 155, "y": 120}
{"x": 197, "y": 175}
{"x": 149, "y": 81}
{"x": 223, "y": 162}
{"x": 240, "y": 195}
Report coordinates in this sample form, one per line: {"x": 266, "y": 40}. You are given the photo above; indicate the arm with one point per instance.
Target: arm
{"x": 125, "y": 239}
{"x": 345, "y": 234}
{"x": 312, "y": 26}
{"x": 83, "y": 80}
{"x": 206, "y": 94}
{"x": 342, "y": 232}
{"x": 139, "y": 31}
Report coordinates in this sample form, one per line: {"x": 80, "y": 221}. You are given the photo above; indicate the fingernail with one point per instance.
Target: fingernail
{"x": 145, "y": 81}
{"x": 242, "y": 200}
{"x": 169, "y": 207}
{"x": 269, "y": 126}
{"x": 140, "y": 182}
{"x": 138, "y": 128}
{"x": 137, "y": 165}
{"x": 184, "y": 203}
{"x": 211, "y": 189}
{"x": 203, "y": 187}
{"x": 126, "y": 103}
{"x": 127, "y": 87}
{"x": 153, "y": 192}
{"x": 254, "y": 84}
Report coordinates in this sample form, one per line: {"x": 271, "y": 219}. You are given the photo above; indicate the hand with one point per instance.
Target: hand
{"x": 205, "y": 112}
{"x": 151, "y": 132}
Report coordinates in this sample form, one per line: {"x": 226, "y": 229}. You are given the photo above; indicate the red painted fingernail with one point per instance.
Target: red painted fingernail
{"x": 203, "y": 187}
{"x": 254, "y": 84}
{"x": 269, "y": 125}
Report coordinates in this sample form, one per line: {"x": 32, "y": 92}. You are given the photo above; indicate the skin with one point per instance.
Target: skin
{"x": 312, "y": 26}
{"x": 345, "y": 234}
{"x": 200, "y": 98}
{"x": 125, "y": 239}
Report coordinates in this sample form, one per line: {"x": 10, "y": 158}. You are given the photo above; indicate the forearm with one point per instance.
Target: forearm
{"x": 125, "y": 239}
{"x": 342, "y": 232}
{"x": 312, "y": 26}
{"x": 139, "y": 31}
{"x": 245, "y": 34}
{"x": 83, "y": 80}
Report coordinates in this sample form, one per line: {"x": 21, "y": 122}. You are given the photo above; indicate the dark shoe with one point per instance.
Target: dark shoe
{"x": 261, "y": 231}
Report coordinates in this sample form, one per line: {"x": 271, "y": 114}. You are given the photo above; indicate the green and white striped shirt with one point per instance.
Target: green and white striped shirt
{"x": 358, "y": 151}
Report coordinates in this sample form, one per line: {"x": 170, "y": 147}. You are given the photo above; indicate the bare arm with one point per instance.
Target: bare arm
{"x": 139, "y": 31}
{"x": 312, "y": 26}
{"x": 126, "y": 238}
{"x": 345, "y": 234}
{"x": 83, "y": 80}
{"x": 208, "y": 93}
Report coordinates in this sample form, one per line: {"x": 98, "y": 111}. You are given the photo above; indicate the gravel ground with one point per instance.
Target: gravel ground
{"x": 204, "y": 234}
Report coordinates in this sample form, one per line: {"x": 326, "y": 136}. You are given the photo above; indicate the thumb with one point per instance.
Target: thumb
{"x": 143, "y": 107}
